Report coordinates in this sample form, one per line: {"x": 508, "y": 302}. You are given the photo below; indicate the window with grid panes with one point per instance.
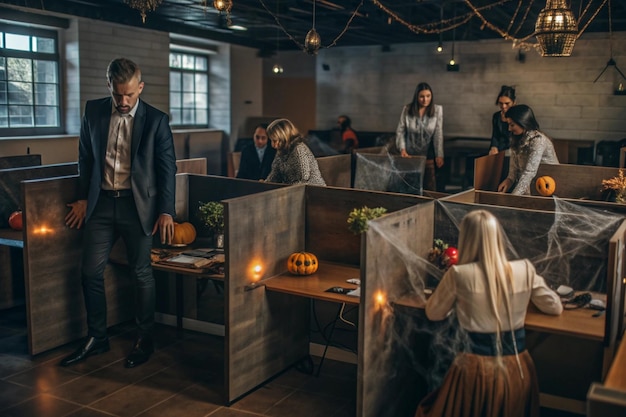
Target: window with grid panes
{"x": 30, "y": 101}
{"x": 189, "y": 90}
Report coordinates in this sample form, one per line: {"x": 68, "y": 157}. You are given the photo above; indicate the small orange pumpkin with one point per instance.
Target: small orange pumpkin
{"x": 546, "y": 186}
{"x": 302, "y": 263}
{"x": 184, "y": 233}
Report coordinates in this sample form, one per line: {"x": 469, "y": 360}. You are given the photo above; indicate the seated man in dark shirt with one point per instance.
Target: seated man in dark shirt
{"x": 256, "y": 158}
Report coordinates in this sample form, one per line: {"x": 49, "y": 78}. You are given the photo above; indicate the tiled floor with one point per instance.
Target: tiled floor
{"x": 183, "y": 378}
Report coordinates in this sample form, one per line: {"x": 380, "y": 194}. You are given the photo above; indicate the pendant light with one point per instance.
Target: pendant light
{"x": 556, "y": 29}
{"x": 277, "y": 68}
{"x": 312, "y": 41}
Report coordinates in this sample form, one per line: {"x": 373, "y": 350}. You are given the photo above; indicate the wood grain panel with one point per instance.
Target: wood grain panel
{"x": 265, "y": 333}
{"x": 488, "y": 171}
{"x": 191, "y": 166}
{"x": 336, "y": 170}
{"x": 15, "y": 161}
{"x": 577, "y": 181}
{"x": 384, "y": 270}
{"x": 327, "y": 211}
{"x": 52, "y": 253}
{"x": 10, "y": 189}
{"x": 616, "y": 378}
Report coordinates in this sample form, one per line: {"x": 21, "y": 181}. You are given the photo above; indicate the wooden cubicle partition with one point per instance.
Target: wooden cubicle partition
{"x": 191, "y": 166}
{"x": 265, "y": 332}
{"x": 387, "y": 384}
{"x": 336, "y": 170}
{"x": 570, "y": 351}
{"x": 15, "y": 161}
{"x": 327, "y": 211}
{"x": 10, "y": 188}
{"x": 11, "y": 242}
{"x": 488, "y": 171}
{"x": 54, "y": 300}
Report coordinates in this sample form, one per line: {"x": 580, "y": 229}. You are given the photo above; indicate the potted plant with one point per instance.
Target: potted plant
{"x": 212, "y": 214}
{"x": 358, "y": 218}
{"x": 618, "y": 186}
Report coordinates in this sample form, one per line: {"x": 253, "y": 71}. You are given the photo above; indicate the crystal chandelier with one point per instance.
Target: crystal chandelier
{"x": 556, "y": 29}
{"x": 144, "y": 6}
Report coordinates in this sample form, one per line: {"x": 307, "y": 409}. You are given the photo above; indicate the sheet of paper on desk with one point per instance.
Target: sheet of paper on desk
{"x": 201, "y": 253}
{"x": 188, "y": 261}
{"x": 355, "y": 293}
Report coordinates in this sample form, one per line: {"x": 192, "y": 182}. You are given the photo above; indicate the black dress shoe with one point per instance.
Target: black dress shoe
{"x": 91, "y": 347}
{"x": 142, "y": 349}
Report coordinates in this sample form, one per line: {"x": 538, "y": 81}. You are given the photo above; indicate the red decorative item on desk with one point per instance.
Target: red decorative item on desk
{"x": 15, "y": 220}
{"x": 450, "y": 256}
{"x": 443, "y": 255}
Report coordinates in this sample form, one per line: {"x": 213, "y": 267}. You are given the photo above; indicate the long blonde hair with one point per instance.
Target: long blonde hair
{"x": 481, "y": 240}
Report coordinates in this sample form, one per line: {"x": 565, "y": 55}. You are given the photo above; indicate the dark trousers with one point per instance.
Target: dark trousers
{"x": 112, "y": 218}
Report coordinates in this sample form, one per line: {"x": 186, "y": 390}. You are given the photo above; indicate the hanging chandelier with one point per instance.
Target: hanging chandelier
{"x": 556, "y": 29}
{"x": 312, "y": 40}
{"x": 223, "y": 5}
{"x": 144, "y": 6}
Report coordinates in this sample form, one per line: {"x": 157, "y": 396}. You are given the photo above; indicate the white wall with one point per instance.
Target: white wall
{"x": 371, "y": 86}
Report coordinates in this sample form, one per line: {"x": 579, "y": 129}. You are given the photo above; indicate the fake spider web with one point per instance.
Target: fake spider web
{"x": 411, "y": 354}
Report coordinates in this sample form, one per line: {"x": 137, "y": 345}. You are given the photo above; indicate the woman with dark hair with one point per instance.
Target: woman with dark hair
{"x": 500, "y": 135}
{"x": 494, "y": 376}
{"x": 294, "y": 162}
{"x": 420, "y": 132}
{"x": 529, "y": 148}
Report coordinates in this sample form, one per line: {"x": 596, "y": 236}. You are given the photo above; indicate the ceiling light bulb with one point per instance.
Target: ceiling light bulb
{"x": 277, "y": 69}
{"x": 439, "y": 48}
{"x": 452, "y": 62}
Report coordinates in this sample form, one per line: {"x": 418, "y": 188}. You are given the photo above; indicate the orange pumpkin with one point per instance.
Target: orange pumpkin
{"x": 184, "y": 233}
{"x": 546, "y": 186}
{"x": 302, "y": 263}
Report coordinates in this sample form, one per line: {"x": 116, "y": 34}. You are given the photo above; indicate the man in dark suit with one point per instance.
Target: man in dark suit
{"x": 126, "y": 188}
{"x": 256, "y": 158}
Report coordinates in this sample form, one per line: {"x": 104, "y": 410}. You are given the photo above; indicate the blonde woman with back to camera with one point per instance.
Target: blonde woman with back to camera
{"x": 294, "y": 162}
{"x": 495, "y": 375}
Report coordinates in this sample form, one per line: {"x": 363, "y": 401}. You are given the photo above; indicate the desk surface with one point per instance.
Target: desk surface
{"x": 10, "y": 237}
{"x": 577, "y": 323}
{"x": 313, "y": 286}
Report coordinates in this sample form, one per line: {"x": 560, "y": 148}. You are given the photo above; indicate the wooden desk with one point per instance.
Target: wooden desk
{"x": 13, "y": 238}
{"x": 578, "y": 323}
{"x": 118, "y": 256}
{"x": 328, "y": 275}
{"x": 314, "y": 286}
{"x": 179, "y": 273}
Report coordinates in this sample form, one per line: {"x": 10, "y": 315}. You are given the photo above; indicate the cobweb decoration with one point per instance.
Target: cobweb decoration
{"x": 410, "y": 354}
{"x": 386, "y": 172}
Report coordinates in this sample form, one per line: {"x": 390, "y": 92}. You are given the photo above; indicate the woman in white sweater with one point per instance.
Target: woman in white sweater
{"x": 495, "y": 376}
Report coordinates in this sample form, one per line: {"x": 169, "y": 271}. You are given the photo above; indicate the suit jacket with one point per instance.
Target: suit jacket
{"x": 250, "y": 167}
{"x": 153, "y": 161}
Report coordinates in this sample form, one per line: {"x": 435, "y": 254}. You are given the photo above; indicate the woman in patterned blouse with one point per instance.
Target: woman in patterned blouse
{"x": 529, "y": 148}
{"x": 294, "y": 162}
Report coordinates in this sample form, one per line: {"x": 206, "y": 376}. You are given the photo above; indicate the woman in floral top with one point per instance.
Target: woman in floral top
{"x": 529, "y": 148}
{"x": 294, "y": 162}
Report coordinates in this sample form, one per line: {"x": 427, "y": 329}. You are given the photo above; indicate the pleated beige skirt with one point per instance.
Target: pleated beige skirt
{"x": 477, "y": 386}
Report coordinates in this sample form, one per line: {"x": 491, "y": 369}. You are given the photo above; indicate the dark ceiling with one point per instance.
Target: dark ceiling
{"x": 371, "y": 24}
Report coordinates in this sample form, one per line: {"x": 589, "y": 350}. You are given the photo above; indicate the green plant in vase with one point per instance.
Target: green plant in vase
{"x": 212, "y": 214}
{"x": 358, "y": 218}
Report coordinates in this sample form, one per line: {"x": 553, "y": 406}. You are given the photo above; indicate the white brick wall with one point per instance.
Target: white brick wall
{"x": 371, "y": 86}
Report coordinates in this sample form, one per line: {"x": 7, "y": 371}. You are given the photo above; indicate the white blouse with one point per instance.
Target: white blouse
{"x": 465, "y": 286}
